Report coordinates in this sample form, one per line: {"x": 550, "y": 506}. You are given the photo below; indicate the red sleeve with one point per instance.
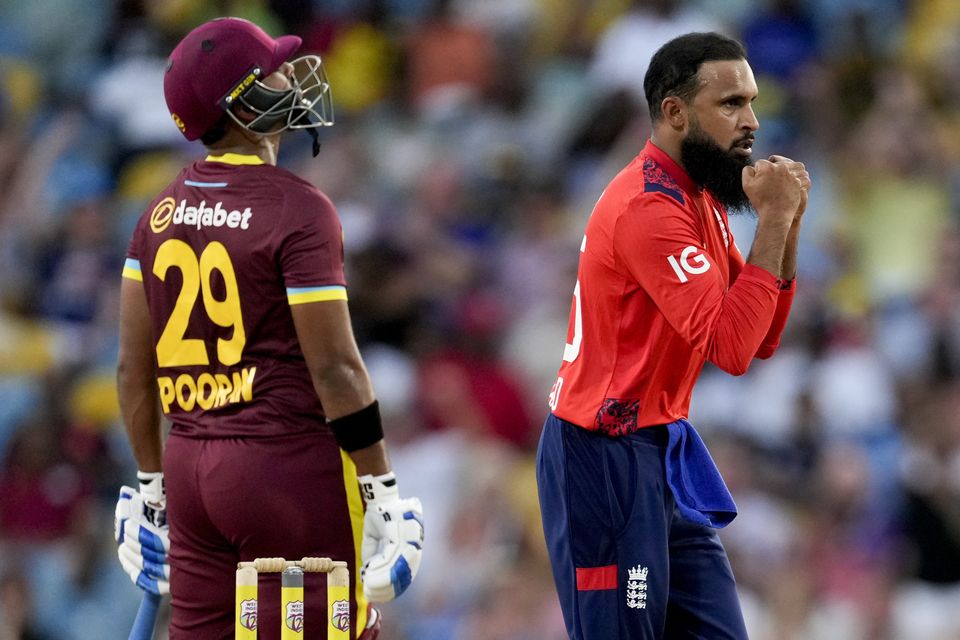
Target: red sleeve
{"x": 311, "y": 244}
{"x": 784, "y": 302}
{"x": 659, "y": 244}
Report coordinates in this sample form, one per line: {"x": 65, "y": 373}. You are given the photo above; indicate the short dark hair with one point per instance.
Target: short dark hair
{"x": 216, "y": 133}
{"x": 674, "y": 67}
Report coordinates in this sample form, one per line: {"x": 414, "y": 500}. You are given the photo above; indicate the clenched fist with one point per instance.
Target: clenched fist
{"x": 800, "y": 171}
{"x": 777, "y": 188}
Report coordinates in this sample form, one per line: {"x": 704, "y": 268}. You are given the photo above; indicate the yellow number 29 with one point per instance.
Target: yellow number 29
{"x": 173, "y": 349}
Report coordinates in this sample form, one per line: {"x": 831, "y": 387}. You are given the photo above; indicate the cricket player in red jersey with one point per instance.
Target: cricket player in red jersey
{"x": 234, "y": 323}
{"x": 630, "y": 497}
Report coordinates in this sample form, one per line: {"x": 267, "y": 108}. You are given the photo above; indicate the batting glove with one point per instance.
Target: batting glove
{"x": 154, "y": 495}
{"x": 143, "y": 544}
{"x": 392, "y": 538}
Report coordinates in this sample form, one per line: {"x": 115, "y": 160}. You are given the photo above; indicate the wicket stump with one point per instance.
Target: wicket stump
{"x": 291, "y": 596}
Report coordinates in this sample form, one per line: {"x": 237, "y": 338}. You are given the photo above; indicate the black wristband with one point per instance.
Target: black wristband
{"x": 359, "y": 429}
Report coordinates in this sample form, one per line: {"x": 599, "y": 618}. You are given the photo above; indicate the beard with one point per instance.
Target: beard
{"x": 716, "y": 169}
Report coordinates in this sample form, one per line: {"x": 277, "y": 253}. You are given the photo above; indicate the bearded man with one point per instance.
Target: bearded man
{"x": 630, "y": 497}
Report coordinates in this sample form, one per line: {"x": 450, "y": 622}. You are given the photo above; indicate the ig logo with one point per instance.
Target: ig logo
{"x": 698, "y": 264}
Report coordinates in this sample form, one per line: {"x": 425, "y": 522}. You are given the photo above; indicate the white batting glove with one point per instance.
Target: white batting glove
{"x": 143, "y": 544}
{"x": 392, "y": 538}
{"x": 154, "y": 494}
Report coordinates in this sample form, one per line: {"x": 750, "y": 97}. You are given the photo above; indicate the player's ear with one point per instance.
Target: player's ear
{"x": 674, "y": 112}
{"x": 242, "y": 114}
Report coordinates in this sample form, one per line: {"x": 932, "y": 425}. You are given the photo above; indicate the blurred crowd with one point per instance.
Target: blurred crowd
{"x": 472, "y": 139}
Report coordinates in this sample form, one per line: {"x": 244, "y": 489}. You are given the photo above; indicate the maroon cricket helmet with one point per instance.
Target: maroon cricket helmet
{"x": 213, "y": 65}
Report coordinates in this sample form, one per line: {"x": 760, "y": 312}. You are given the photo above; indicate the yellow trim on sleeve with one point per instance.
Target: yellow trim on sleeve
{"x": 355, "y": 505}
{"x": 131, "y": 270}
{"x": 319, "y": 295}
{"x": 235, "y": 158}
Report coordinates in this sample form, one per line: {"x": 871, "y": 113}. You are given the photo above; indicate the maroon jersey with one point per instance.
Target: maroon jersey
{"x": 222, "y": 252}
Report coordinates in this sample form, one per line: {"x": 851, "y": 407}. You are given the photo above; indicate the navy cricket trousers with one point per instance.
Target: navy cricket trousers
{"x": 625, "y": 562}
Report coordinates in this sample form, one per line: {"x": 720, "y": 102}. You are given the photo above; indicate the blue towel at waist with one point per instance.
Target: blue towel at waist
{"x": 699, "y": 491}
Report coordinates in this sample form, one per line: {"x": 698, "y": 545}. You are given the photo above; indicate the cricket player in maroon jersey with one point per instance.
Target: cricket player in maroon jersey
{"x": 630, "y": 497}
{"x": 234, "y": 323}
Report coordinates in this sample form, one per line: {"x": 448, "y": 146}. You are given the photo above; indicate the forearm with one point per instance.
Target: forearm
{"x": 748, "y": 307}
{"x": 772, "y": 340}
{"x": 371, "y": 460}
{"x": 345, "y": 390}
{"x": 342, "y": 382}
{"x": 743, "y": 320}
{"x": 788, "y": 273}
{"x": 776, "y": 188}
{"x": 136, "y": 378}
{"x": 788, "y": 268}
{"x": 769, "y": 245}
{"x": 140, "y": 411}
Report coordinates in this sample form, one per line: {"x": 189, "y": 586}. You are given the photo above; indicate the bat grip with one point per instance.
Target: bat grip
{"x": 146, "y": 617}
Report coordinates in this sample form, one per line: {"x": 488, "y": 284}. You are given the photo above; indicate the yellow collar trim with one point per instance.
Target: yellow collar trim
{"x": 235, "y": 158}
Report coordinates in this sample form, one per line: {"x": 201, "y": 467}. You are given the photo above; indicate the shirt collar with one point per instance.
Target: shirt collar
{"x": 235, "y": 158}
{"x": 673, "y": 169}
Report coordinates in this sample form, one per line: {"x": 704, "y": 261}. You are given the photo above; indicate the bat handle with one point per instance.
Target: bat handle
{"x": 146, "y": 617}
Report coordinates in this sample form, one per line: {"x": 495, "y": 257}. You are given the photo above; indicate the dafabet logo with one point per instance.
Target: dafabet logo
{"x": 162, "y": 214}
{"x": 168, "y": 212}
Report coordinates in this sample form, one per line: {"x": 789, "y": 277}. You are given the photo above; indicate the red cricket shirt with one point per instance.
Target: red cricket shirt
{"x": 661, "y": 288}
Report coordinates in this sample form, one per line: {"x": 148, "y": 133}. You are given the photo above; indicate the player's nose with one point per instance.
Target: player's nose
{"x": 749, "y": 120}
